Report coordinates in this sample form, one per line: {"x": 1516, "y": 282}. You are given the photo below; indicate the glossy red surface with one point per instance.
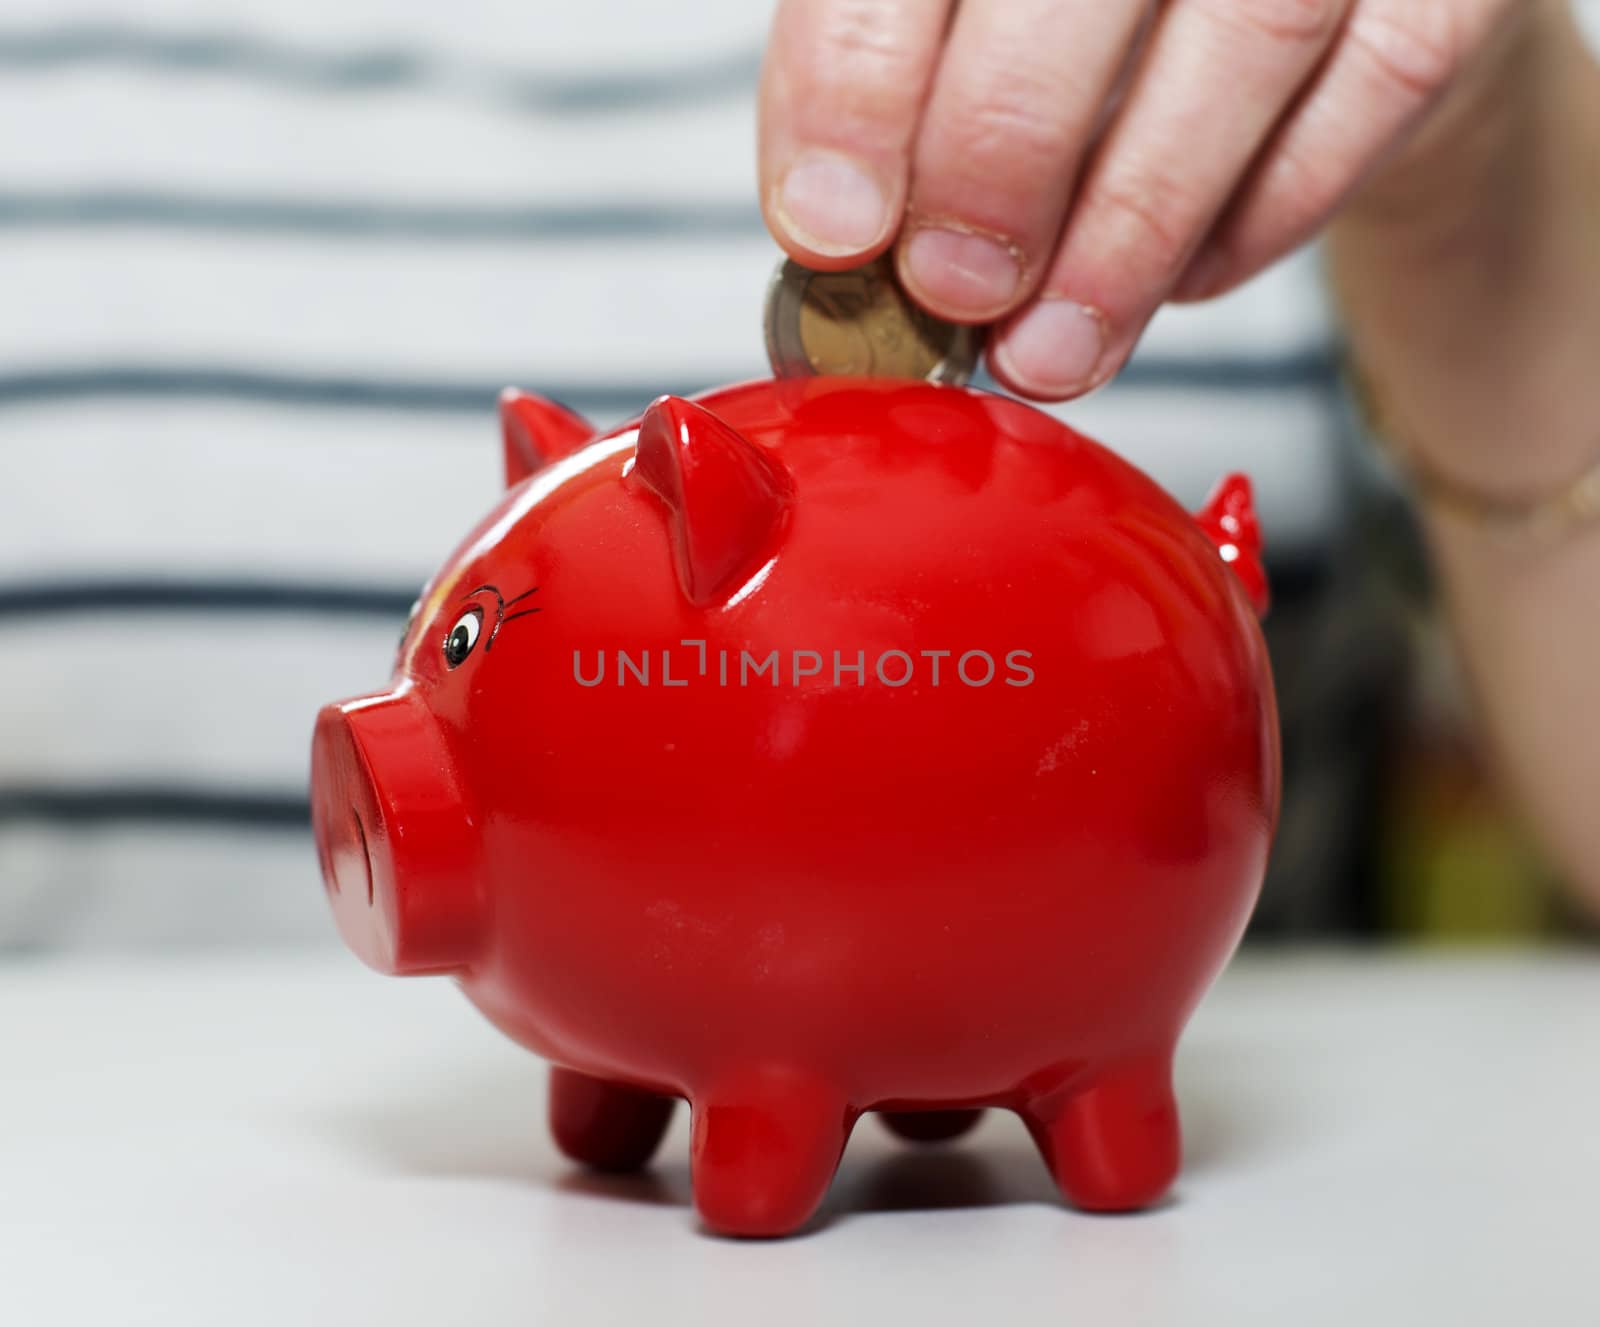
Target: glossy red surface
{"x": 980, "y": 832}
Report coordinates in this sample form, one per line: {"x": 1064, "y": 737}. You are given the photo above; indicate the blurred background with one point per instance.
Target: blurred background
{"x": 263, "y": 271}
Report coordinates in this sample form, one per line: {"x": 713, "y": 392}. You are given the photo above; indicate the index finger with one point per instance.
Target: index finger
{"x": 842, "y": 90}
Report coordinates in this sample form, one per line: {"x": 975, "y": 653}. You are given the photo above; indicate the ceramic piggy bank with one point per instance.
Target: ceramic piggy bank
{"x": 818, "y": 747}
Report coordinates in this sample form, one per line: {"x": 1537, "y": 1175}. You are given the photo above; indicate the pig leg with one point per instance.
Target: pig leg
{"x": 1113, "y": 1145}
{"x": 765, "y": 1145}
{"x": 929, "y": 1126}
{"x": 605, "y": 1125}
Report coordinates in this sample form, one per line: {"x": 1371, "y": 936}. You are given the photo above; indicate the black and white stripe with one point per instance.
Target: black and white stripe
{"x": 264, "y": 274}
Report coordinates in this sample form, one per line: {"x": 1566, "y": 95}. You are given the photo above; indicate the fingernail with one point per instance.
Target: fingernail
{"x": 961, "y": 271}
{"x": 1053, "y": 349}
{"x": 832, "y": 204}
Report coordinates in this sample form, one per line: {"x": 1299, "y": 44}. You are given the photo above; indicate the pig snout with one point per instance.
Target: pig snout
{"x": 399, "y": 856}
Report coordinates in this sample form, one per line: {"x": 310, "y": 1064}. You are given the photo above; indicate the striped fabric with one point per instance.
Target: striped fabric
{"x": 264, "y": 269}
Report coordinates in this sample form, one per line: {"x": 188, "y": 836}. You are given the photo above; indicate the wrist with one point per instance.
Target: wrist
{"x": 1470, "y": 280}
{"x": 1516, "y": 515}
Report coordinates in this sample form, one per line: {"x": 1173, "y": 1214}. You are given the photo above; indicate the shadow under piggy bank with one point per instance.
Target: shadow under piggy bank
{"x": 492, "y": 1127}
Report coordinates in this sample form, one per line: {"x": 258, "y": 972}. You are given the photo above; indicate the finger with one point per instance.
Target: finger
{"x": 1016, "y": 98}
{"x": 1218, "y": 75}
{"x": 841, "y": 91}
{"x": 1391, "y": 65}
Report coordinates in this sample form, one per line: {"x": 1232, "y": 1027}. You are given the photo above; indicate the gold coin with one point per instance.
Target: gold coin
{"x": 860, "y": 323}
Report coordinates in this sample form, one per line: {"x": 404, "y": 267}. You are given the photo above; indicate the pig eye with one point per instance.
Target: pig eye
{"x": 463, "y": 636}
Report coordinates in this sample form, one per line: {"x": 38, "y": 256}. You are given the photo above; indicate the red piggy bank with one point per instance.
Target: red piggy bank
{"x": 818, "y": 747}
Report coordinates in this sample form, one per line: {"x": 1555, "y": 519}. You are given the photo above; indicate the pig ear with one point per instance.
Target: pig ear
{"x": 1229, "y": 519}
{"x": 728, "y": 500}
{"x": 537, "y": 432}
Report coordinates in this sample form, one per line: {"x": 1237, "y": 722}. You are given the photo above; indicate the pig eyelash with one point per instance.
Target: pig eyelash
{"x": 501, "y": 604}
{"x": 512, "y": 617}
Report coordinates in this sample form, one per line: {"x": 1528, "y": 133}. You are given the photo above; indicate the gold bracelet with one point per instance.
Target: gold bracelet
{"x": 1544, "y": 519}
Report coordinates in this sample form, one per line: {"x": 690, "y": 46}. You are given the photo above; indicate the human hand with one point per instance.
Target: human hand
{"x": 1063, "y": 168}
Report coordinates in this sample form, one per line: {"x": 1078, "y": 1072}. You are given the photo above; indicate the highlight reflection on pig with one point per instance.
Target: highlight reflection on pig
{"x": 892, "y": 879}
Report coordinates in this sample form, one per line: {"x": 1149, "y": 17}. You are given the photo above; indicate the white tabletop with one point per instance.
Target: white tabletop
{"x": 1371, "y": 1140}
